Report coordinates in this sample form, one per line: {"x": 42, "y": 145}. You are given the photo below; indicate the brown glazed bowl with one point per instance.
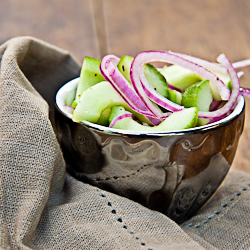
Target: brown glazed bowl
{"x": 174, "y": 172}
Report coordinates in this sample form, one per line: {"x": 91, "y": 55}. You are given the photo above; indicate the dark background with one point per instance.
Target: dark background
{"x": 97, "y": 27}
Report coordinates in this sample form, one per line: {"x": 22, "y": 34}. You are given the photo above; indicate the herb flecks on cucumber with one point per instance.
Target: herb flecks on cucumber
{"x": 124, "y": 66}
{"x": 156, "y": 79}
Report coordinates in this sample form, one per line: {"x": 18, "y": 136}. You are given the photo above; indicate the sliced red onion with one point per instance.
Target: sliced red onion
{"x": 235, "y": 82}
{"x": 173, "y": 88}
{"x": 68, "y": 109}
{"x": 215, "y": 105}
{"x": 141, "y": 84}
{"x": 110, "y": 72}
{"x": 240, "y": 74}
{"x": 120, "y": 117}
{"x": 245, "y": 92}
{"x": 241, "y": 64}
{"x": 166, "y": 115}
{"x": 159, "y": 99}
{"x": 213, "y": 66}
{"x": 204, "y": 63}
{"x": 154, "y": 121}
{"x": 218, "y": 118}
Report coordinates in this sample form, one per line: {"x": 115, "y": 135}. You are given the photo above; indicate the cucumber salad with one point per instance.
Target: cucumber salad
{"x": 130, "y": 93}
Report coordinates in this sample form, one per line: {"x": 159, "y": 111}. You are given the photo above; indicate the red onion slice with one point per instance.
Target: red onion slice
{"x": 240, "y": 74}
{"x": 241, "y": 64}
{"x": 173, "y": 88}
{"x": 159, "y": 99}
{"x": 68, "y": 109}
{"x": 216, "y": 119}
{"x": 204, "y": 63}
{"x": 166, "y": 115}
{"x": 215, "y": 105}
{"x": 245, "y": 92}
{"x": 120, "y": 117}
{"x": 140, "y": 82}
{"x": 235, "y": 82}
{"x": 154, "y": 121}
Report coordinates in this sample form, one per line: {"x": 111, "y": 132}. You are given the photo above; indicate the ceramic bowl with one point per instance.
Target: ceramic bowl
{"x": 174, "y": 173}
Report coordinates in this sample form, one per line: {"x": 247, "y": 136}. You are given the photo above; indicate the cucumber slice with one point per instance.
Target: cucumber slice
{"x": 156, "y": 79}
{"x": 198, "y": 95}
{"x": 96, "y": 99}
{"x": 89, "y": 76}
{"x": 115, "y": 111}
{"x": 184, "y": 119}
{"x": 69, "y": 98}
{"x": 124, "y": 66}
{"x": 74, "y": 104}
{"x": 179, "y": 77}
{"x": 175, "y": 96}
{"x": 104, "y": 117}
{"x": 229, "y": 85}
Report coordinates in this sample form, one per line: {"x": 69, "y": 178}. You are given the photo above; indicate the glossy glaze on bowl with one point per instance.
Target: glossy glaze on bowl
{"x": 174, "y": 173}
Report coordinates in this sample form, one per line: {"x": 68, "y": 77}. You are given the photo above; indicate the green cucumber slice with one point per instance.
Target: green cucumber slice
{"x": 89, "y": 76}
{"x": 115, "y": 111}
{"x": 96, "y": 99}
{"x": 69, "y": 98}
{"x": 124, "y": 66}
{"x": 104, "y": 117}
{"x": 184, "y": 119}
{"x": 198, "y": 95}
{"x": 156, "y": 79}
{"x": 74, "y": 104}
{"x": 175, "y": 96}
{"x": 179, "y": 77}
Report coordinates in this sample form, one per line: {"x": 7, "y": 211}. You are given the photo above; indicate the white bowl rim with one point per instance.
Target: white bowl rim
{"x": 71, "y": 85}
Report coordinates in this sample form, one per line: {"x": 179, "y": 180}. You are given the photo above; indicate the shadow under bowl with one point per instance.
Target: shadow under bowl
{"x": 174, "y": 173}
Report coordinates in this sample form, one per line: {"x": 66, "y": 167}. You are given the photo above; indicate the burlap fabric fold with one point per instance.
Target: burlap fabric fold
{"x": 43, "y": 207}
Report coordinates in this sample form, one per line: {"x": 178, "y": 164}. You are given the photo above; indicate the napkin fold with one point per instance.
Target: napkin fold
{"x": 43, "y": 207}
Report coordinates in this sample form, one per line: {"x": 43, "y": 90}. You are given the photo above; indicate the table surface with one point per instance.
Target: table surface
{"x": 97, "y": 27}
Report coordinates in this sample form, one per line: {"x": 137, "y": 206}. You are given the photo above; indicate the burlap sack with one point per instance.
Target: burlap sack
{"x": 43, "y": 207}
